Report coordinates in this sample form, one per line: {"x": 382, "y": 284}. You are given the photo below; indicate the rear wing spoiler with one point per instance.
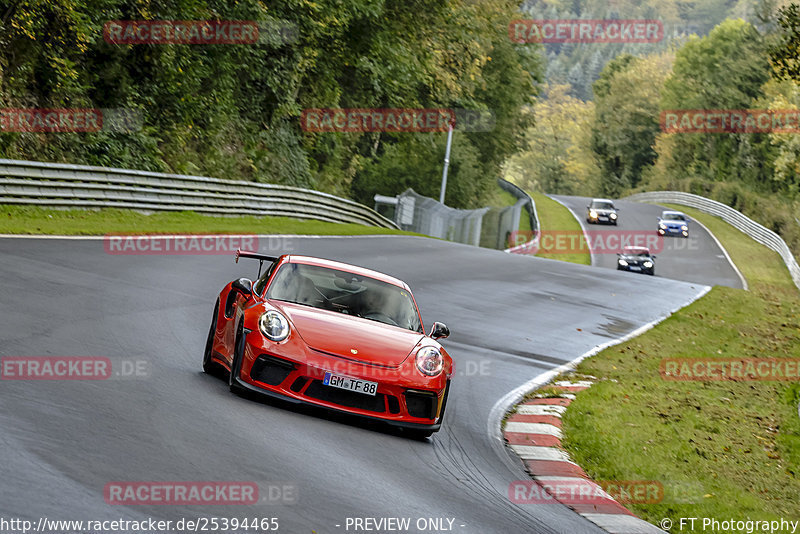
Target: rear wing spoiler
{"x": 256, "y": 256}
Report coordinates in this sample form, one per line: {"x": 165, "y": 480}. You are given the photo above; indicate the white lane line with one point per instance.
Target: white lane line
{"x": 725, "y": 252}
{"x": 583, "y": 229}
{"x": 535, "y": 452}
{"x": 580, "y": 384}
{"x": 545, "y": 409}
{"x": 534, "y": 428}
{"x": 507, "y": 401}
{"x": 622, "y": 524}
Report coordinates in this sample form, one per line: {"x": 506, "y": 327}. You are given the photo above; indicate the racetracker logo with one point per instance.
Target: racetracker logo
{"x": 579, "y": 242}
{"x": 586, "y": 31}
{"x": 149, "y": 245}
{"x": 578, "y": 490}
{"x": 730, "y": 121}
{"x": 736, "y": 369}
{"x": 117, "y": 120}
{"x": 180, "y": 493}
{"x": 133, "y": 32}
{"x": 55, "y": 368}
{"x": 377, "y": 120}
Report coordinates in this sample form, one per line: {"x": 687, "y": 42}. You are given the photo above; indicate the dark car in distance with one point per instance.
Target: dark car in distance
{"x": 636, "y": 259}
{"x": 601, "y": 211}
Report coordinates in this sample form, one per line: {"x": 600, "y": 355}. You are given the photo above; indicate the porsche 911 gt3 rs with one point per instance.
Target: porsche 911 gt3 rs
{"x": 334, "y": 335}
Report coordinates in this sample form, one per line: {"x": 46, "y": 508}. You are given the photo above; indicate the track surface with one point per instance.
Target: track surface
{"x": 63, "y": 441}
{"x": 697, "y": 258}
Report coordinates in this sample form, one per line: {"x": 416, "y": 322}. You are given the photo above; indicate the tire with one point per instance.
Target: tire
{"x": 424, "y": 434}
{"x": 236, "y": 362}
{"x": 417, "y": 434}
{"x": 209, "y": 366}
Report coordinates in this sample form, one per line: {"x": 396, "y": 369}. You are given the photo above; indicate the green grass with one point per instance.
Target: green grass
{"x": 555, "y": 217}
{"x": 725, "y": 449}
{"x": 33, "y": 220}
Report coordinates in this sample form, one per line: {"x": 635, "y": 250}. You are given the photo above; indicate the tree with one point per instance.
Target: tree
{"x": 558, "y": 158}
{"x": 725, "y": 70}
{"x": 786, "y": 53}
{"x": 627, "y": 96}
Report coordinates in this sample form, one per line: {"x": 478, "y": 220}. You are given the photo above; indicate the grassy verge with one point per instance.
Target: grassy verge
{"x": 721, "y": 449}
{"x": 555, "y": 217}
{"x": 33, "y": 220}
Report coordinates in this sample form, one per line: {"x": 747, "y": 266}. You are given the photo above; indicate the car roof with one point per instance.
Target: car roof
{"x": 636, "y": 249}
{"x": 331, "y": 264}
{"x": 602, "y": 200}
{"x": 672, "y": 212}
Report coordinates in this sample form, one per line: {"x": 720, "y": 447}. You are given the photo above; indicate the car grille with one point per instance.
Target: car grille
{"x": 349, "y": 399}
{"x": 271, "y": 370}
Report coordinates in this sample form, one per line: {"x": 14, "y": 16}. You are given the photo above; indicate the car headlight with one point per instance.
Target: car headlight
{"x": 613, "y": 215}
{"x": 429, "y": 361}
{"x": 684, "y": 227}
{"x": 274, "y": 325}
{"x": 648, "y": 264}
{"x": 662, "y": 226}
{"x": 623, "y": 263}
{"x": 593, "y": 214}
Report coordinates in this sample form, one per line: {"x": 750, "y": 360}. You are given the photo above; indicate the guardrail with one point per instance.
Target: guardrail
{"x": 735, "y": 218}
{"x": 527, "y": 201}
{"x": 82, "y": 186}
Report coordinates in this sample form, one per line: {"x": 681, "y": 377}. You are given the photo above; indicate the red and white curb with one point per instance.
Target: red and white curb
{"x": 533, "y": 432}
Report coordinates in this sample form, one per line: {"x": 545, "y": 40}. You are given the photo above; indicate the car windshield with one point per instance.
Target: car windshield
{"x": 673, "y": 216}
{"x": 599, "y": 205}
{"x": 344, "y": 292}
{"x": 639, "y": 253}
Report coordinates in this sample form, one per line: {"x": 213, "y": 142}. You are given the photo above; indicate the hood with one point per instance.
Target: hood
{"x": 340, "y": 334}
{"x": 674, "y": 223}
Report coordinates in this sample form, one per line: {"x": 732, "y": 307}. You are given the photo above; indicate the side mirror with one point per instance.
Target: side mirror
{"x": 439, "y": 331}
{"x": 653, "y": 256}
{"x": 243, "y": 286}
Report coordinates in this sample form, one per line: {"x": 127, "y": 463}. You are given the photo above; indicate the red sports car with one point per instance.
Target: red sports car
{"x": 330, "y": 334}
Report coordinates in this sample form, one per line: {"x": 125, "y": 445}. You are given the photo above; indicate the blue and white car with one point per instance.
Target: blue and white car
{"x": 673, "y": 223}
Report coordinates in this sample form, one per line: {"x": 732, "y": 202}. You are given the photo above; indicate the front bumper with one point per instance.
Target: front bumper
{"x": 295, "y": 373}
{"x": 673, "y": 231}
{"x": 601, "y": 219}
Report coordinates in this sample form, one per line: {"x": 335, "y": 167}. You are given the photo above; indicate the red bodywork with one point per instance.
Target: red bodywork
{"x": 323, "y": 341}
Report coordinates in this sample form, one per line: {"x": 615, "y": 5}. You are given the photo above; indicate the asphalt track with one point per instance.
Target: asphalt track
{"x": 697, "y": 258}
{"x": 512, "y": 318}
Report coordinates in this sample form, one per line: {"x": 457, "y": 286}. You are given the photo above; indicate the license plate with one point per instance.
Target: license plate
{"x": 351, "y": 384}
{"x": 635, "y": 268}
{"x": 603, "y": 218}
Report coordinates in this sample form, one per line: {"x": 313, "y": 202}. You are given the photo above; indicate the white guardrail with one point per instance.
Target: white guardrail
{"x": 81, "y": 186}
{"x": 735, "y": 218}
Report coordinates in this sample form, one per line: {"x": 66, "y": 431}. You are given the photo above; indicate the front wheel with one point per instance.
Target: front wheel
{"x": 208, "y": 361}
{"x": 236, "y": 361}
{"x": 417, "y": 434}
